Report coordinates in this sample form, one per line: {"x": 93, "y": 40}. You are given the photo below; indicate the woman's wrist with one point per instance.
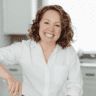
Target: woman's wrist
{"x": 4, "y": 72}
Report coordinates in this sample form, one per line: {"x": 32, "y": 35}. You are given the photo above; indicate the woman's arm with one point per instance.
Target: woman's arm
{"x": 14, "y": 85}
{"x": 74, "y": 83}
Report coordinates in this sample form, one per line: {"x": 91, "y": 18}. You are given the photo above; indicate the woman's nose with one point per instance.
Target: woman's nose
{"x": 51, "y": 28}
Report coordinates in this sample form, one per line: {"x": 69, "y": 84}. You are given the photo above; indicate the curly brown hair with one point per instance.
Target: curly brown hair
{"x": 66, "y": 29}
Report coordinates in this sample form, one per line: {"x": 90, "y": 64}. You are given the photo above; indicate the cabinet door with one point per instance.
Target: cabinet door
{"x": 89, "y": 77}
{"x": 16, "y": 16}
{"x": 16, "y": 71}
{"x": 3, "y": 88}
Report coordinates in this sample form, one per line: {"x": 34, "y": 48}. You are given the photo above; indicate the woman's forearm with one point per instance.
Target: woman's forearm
{"x": 14, "y": 85}
{"x": 4, "y": 73}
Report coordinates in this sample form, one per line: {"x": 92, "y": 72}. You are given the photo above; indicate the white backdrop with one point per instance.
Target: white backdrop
{"x": 83, "y": 15}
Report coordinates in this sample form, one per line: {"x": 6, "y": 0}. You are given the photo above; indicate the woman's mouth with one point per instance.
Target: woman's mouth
{"x": 48, "y": 35}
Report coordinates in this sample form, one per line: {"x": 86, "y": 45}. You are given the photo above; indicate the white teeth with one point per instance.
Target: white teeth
{"x": 49, "y": 35}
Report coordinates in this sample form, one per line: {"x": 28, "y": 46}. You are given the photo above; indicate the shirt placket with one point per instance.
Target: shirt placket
{"x": 47, "y": 81}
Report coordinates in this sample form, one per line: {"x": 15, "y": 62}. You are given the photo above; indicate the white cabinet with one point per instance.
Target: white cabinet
{"x": 89, "y": 77}
{"x": 16, "y": 71}
{"x": 16, "y": 16}
{"x": 3, "y": 88}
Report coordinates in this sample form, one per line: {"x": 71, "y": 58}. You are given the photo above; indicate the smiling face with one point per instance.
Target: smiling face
{"x": 50, "y": 27}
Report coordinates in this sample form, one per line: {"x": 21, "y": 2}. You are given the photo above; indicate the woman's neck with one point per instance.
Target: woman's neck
{"x": 47, "y": 46}
{"x": 47, "y": 49}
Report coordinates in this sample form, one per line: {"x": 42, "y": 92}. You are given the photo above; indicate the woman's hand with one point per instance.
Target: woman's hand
{"x": 14, "y": 86}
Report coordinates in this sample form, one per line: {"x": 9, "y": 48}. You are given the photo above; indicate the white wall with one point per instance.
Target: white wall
{"x": 4, "y": 40}
{"x": 83, "y": 15}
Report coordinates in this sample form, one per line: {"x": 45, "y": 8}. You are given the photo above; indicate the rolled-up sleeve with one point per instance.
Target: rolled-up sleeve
{"x": 75, "y": 82}
{"x": 10, "y": 54}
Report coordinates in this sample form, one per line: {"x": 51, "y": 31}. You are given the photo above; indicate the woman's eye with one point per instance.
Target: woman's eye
{"x": 46, "y": 23}
{"x": 57, "y": 25}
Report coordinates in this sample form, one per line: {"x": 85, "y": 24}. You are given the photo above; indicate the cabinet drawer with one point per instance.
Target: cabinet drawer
{"x": 14, "y": 69}
{"x": 89, "y": 91}
{"x": 3, "y": 88}
{"x": 89, "y": 73}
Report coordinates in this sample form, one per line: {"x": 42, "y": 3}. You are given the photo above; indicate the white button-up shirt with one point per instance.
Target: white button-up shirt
{"x": 61, "y": 75}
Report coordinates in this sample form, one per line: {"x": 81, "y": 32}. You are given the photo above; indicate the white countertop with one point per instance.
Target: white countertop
{"x": 88, "y": 64}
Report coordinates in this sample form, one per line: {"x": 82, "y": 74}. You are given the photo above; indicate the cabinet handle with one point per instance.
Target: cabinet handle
{"x": 90, "y": 74}
{"x": 11, "y": 69}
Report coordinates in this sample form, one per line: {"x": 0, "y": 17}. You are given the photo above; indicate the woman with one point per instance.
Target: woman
{"x": 50, "y": 65}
